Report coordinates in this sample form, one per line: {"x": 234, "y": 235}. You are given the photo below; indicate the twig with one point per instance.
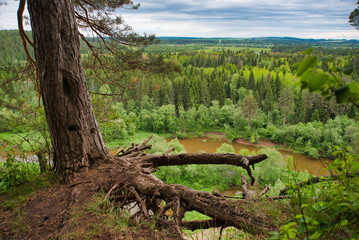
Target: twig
{"x": 140, "y": 201}
{"x": 264, "y": 191}
{"x": 135, "y": 148}
{"x": 202, "y": 224}
{"x": 169, "y": 150}
{"x": 109, "y": 192}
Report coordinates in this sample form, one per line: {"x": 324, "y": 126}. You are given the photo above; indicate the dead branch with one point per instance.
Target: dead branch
{"x": 170, "y": 150}
{"x": 109, "y": 192}
{"x": 207, "y": 158}
{"x": 181, "y": 197}
{"x": 204, "y": 158}
{"x": 250, "y": 194}
{"x": 246, "y": 193}
{"x": 140, "y": 201}
{"x": 135, "y": 148}
{"x": 264, "y": 191}
{"x": 176, "y": 215}
{"x": 148, "y": 191}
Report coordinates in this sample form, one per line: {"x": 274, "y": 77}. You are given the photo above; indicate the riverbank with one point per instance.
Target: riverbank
{"x": 262, "y": 142}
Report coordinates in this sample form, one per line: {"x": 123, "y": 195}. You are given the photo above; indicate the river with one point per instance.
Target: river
{"x": 209, "y": 145}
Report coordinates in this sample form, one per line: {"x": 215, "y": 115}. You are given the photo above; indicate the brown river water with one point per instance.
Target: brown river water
{"x": 209, "y": 145}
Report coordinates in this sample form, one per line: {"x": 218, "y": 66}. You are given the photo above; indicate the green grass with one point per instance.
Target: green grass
{"x": 16, "y": 195}
{"x": 194, "y": 215}
{"x": 18, "y": 178}
{"x": 219, "y": 48}
{"x": 11, "y": 140}
{"x": 8, "y": 136}
{"x": 139, "y": 135}
{"x": 96, "y": 219}
{"x": 10, "y": 198}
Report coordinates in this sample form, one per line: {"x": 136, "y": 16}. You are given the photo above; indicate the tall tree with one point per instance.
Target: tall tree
{"x": 307, "y": 103}
{"x": 249, "y": 107}
{"x": 73, "y": 128}
{"x": 286, "y": 102}
{"x": 251, "y": 82}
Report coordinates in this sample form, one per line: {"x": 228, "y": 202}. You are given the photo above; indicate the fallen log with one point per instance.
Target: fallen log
{"x": 226, "y": 212}
{"x": 128, "y": 182}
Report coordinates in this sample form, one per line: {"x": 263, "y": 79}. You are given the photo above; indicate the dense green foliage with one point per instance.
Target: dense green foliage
{"x": 14, "y": 172}
{"x": 11, "y": 48}
{"x": 330, "y": 208}
{"x": 246, "y": 88}
{"x": 211, "y": 92}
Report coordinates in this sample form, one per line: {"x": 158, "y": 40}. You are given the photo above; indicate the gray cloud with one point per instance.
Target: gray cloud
{"x": 232, "y": 18}
{"x": 243, "y": 18}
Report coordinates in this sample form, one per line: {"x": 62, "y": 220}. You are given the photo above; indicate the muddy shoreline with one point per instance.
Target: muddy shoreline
{"x": 261, "y": 143}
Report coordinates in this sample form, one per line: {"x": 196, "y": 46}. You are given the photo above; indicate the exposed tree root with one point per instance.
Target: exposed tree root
{"x": 179, "y": 198}
{"x": 128, "y": 183}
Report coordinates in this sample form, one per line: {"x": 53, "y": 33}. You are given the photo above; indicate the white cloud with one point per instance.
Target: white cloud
{"x": 8, "y": 18}
{"x": 232, "y": 18}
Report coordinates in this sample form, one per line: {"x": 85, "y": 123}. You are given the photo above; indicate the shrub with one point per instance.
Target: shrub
{"x": 14, "y": 173}
{"x": 225, "y": 148}
{"x": 271, "y": 169}
{"x": 181, "y": 135}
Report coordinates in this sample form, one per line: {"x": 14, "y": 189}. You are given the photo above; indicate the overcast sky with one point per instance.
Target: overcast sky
{"x": 232, "y": 18}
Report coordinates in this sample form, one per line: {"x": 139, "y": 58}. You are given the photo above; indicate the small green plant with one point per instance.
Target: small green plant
{"x": 286, "y": 232}
{"x": 96, "y": 219}
{"x": 14, "y": 173}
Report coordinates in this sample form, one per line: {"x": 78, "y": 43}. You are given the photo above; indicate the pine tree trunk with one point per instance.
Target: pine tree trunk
{"x": 75, "y": 135}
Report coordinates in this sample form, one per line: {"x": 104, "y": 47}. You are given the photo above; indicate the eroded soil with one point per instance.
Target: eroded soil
{"x": 74, "y": 211}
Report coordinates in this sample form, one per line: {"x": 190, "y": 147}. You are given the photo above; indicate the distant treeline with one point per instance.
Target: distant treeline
{"x": 261, "y": 41}
{"x": 11, "y": 49}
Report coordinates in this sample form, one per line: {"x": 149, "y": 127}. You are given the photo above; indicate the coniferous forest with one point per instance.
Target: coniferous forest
{"x": 245, "y": 89}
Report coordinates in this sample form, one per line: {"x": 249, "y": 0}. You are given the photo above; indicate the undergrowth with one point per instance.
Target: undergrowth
{"x": 328, "y": 209}
{"x": 96, "y": 219}
{"x": 100, "y": 218}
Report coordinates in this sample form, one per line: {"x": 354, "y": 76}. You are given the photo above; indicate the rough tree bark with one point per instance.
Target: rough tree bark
{"x": 78, "y": 143}
{"x": 74, "y": 131}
